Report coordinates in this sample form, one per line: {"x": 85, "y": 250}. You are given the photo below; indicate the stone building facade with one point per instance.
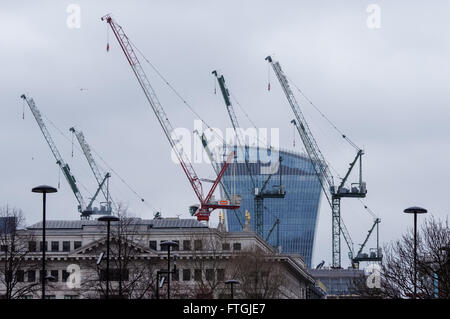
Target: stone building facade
{"x": 205, "y": 258}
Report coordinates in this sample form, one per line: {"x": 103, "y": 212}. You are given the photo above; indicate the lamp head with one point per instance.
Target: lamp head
{"x": 44, "y": 189}
{"x": 415, "y": 210}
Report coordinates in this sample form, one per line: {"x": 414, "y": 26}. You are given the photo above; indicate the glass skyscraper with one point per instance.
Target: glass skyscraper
{"x": 297, "y": 212}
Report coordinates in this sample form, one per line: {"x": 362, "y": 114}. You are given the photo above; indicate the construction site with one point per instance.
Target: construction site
{"x": 204, "y": 151}
{"x": 280, "y": 188}
{"x": 298, "y": 180}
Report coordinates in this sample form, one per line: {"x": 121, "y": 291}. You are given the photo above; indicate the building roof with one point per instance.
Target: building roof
{"x": 336, "y": 273}
{"x": 152, "y": 223}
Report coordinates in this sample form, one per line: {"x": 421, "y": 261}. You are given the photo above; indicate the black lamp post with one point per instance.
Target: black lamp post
{"x": 169, "y": 244}
{"x": 415, "y": 210}
{"x": 108, "y": 219}
{"x": 43, "y": 189}
{"x": 232, "y": 282}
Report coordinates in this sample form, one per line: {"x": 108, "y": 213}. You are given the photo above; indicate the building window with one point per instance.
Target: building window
{"x": 71, "y": 297}
{"x": 32, "y": 246}
{"x": 176, "y": 275}
{"x": 31, "y": 274}
{"x": 76, "y": 244}
{"x": 65, "y": 275}
{"x": 198, "y": 244}
{"x": 55, "y": 245}
{"x": 115, "y": 275}
{"x": 41, "y": 245}
{"x": 152, "y": 244}
{"x": 209, "y": 274}
{"x": 42, "y": 275}
{"x": 220, "y": 274}
{"x": 197, "y": 274}
{"x": 226, "y": 246}
{"x": 55, "y": 275}
{"x": 20, "y": 276}
{"x": 172, "y": 248}
{"x": 186, "y": 245}
{"x": 186, "y": 274}
{"x": 50, "y": 297}
{"x": 3, "y": 248}
{"x": 237, "y": 246}
{"x": 66, "y": 245}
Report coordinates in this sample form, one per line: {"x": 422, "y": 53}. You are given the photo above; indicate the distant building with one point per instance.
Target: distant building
{"x": 297, "y": 212}
{"x": 339, "y": 283}
{"x": 205, "y": 255}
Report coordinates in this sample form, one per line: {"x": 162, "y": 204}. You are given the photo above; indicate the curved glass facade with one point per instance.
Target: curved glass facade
{"x": 297, "y": 212}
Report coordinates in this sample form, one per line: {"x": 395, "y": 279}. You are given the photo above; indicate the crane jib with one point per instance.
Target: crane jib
{"x": 318, "y": 162}
{"x": 127, "y": 48}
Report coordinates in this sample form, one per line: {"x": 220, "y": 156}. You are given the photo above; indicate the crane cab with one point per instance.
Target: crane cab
{"x": 193, "y": 209}
{"x": 355, "y": 190}
{"x": 374, "y": 255}
{"x": 277, "y": 191}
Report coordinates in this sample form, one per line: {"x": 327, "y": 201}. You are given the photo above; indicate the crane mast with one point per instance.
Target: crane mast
{"x": 333, "y": 193}
{"x": 59, "y": 160}
{"x": 338, "y": 223}
{"x": 205, "y": 208}
{"x": 95, "y": 170}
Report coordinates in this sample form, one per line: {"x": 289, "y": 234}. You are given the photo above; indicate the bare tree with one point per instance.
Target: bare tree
{"x": 14, "y": 250}
{"x": 260, "y": 274}
{"x": 397, "y": 269}
{"x": 209, "y": 266}
{"x": 131, "y": 275}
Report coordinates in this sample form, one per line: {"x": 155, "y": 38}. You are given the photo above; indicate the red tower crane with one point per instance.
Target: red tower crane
{"x": 207, "y": 204}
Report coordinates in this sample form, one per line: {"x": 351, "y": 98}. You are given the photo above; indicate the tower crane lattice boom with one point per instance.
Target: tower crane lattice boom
{"x": 333, "y": 193}
{"x": 94, "y": 167}
{"x": 258, "y": 193}
{"x": 127, "y": 48}
{"x": 206, "y": 207}
{"x": 317, "y": 158}
{"x": 59, "y": 160}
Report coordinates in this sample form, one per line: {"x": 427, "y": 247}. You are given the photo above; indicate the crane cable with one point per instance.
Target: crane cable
{"x": 172, "y": 88}
{"x": 375, "y": 216}
{"x": 328, "y": 120}
{"x": 243, "y": 110}
{"x": 341, "y": 133}
{"x": 189, "y": 106}
{"x": 345, "y": 137}
{"x": 101, "y": 158}
{"x": 59, "y": 131}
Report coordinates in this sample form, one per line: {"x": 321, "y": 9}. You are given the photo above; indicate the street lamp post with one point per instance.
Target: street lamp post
{"x": 232, "y": 282}
{"x": 169, "y": 244}
{"x": 415, "y": 210}
{"x": 43, "y": 189}
{"x": 159, "y": 282}
{"x": 108, "y": 219}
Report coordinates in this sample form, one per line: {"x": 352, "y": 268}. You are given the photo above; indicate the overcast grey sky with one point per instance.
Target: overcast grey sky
{"x": 386, "y": 88}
